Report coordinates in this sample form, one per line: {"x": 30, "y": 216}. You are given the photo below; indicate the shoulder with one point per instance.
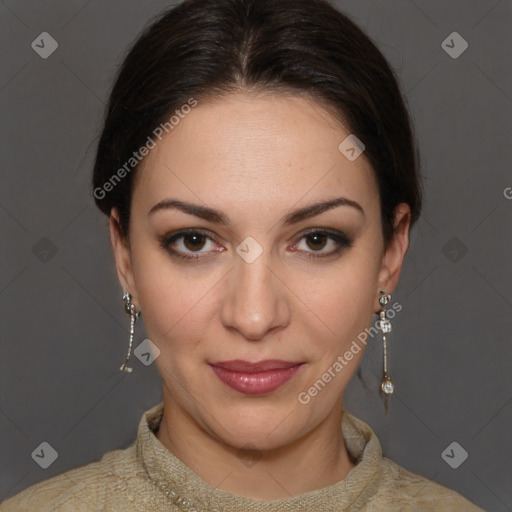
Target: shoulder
{"x": 81, "y": 489}
{"x": 415, "y": 492}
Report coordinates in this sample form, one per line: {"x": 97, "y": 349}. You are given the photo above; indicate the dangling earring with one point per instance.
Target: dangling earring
{"x": 385, "y": 326}
{"x": 130, "y": 309}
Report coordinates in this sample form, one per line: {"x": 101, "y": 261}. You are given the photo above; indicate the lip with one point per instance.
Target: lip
{"x": 258, "y": 377}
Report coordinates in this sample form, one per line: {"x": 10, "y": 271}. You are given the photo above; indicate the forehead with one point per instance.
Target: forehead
{"x": 256, "y": 151}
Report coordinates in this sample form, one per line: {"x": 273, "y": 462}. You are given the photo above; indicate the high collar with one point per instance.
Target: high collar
{"x": 190, "y": 492}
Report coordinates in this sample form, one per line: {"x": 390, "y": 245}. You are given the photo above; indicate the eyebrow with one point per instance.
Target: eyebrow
{"x": 218, "y": 217}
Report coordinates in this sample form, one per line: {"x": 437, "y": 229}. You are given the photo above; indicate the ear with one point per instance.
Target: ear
{"x": 122, "y": 256}
{"x": 393, "y": 256}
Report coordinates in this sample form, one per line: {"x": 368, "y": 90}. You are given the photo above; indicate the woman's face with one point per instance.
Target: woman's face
{"x": 253, "y": 281}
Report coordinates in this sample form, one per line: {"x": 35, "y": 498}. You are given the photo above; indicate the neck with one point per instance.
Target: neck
{"x": 315, "y": 460}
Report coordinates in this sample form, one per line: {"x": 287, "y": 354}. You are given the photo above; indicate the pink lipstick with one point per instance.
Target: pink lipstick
{"x": 255, "y": 378}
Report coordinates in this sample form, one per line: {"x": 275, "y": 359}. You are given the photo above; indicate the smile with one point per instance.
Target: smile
{"x": 251, "y": 379}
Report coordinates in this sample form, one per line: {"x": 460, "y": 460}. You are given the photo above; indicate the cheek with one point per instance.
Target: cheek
{"x": 341, "y": 312}
{"x": 347, "y": 309}
{"x": 341, "y": 301}
{"x": 176, "y": 304}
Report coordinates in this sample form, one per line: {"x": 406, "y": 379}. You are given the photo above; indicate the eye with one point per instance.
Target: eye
{"x": 317, "y": 240}
{"x": 196, "y": 244}
{"x": 188, "y": 244}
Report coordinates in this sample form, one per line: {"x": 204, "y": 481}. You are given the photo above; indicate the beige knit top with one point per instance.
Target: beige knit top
{"x": 146, "y": 476}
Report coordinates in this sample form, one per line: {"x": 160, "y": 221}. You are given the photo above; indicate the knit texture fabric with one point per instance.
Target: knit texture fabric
{"x": 146, "y": 476}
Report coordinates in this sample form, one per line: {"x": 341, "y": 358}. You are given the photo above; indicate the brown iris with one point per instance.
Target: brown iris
{"x": 197, "y": 241}
{"x": 318, "y": 237}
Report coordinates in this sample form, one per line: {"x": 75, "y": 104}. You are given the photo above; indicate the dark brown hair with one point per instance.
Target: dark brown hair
{"x": 208, "y": 48}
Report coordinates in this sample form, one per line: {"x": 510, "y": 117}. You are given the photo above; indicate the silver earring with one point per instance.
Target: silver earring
{"x": 385, "y": 326}
{"x": 130, "y": 309}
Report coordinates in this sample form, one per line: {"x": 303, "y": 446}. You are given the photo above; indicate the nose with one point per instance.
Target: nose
{"x": 255, "y": 302}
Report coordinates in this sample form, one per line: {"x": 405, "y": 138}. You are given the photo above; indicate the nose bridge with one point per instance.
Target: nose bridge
{"x": 254, "y": 303}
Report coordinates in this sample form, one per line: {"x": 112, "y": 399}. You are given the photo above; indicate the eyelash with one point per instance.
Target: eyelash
{"x": 342, "y": 241}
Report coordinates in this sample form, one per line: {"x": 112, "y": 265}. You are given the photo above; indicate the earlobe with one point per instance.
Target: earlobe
{"x": 122, "y": 255}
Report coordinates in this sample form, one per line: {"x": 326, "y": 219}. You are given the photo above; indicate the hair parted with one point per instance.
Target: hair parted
{"x": 205, "y": 49}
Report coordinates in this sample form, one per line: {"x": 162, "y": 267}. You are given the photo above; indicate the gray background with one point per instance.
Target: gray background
{"x": 63, "y": 330}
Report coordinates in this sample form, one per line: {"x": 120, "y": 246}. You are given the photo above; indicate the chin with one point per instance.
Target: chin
{"x": 257, "y": 429}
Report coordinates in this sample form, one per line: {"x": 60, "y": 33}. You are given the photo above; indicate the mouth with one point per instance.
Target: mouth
{"x": 256, "y": 378}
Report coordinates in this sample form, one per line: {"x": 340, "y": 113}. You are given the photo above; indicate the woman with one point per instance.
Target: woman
{"x": 258, "y": 168}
